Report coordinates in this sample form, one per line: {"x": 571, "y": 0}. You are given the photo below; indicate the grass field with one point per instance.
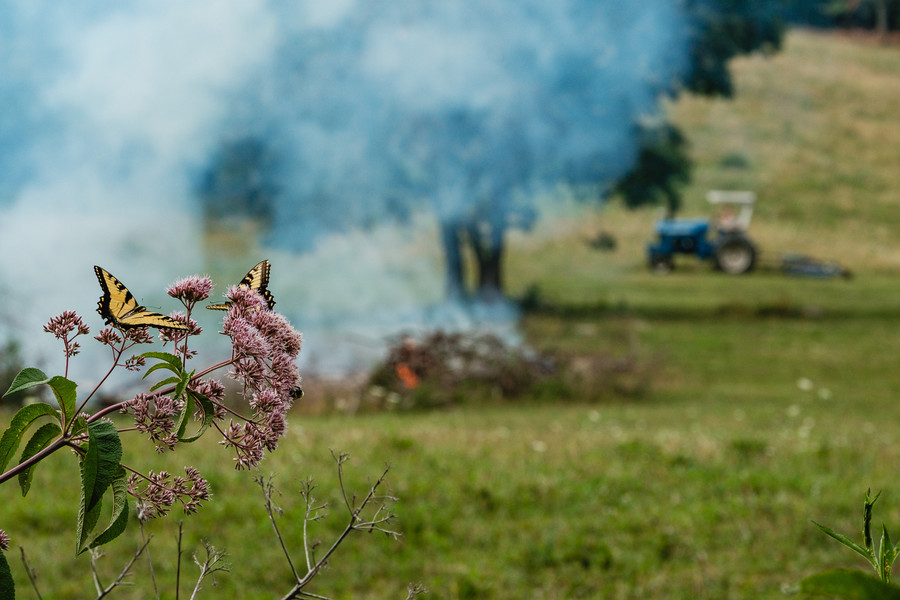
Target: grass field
{"x": 773, "y": 401}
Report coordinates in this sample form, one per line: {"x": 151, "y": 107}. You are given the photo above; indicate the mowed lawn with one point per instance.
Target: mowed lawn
{"x": 771, "y": 401}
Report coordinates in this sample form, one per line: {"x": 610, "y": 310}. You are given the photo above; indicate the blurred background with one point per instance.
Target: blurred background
{"x": 372, "y": 151}
{"x": 457, "y": 200}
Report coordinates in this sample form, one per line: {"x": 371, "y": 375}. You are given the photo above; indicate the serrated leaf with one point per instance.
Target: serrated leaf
{"x": 849, "y": 585}
{"x": 19, "y": 424}
{"x": 27, "y": 378}
{"x": 7, "y": 585}
{"x": 99, "y": 469}
{"x": 847, "y": 542}
{"x": 87, "y": 520}
{"x": 101, "y": 461}
{"x": 208, "y": 410}
{"x": 64, "y": 390}
{"x": 41, "y": 439}
{"x": 119, "y": 518}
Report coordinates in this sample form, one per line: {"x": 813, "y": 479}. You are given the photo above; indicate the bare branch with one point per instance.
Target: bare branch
{"x": 126, "y": 570}
{"x": 313, "y": 513}
{"x": 178, "y": 558}
{"x": 356, "y": 523}
{"x": 32, "y": 574}
{"x": 268, "y": 491}
{"x": 146, "y": 540}
{"x": 214, "y": 563}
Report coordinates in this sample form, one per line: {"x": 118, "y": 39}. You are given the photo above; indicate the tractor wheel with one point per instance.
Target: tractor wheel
{"x": 735, "y": 255}
{"x": 661, "y": 264}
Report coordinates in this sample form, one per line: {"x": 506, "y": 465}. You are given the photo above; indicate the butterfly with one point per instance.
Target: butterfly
{"x": 256, "y": 279}
{"x": 118, "y": 306}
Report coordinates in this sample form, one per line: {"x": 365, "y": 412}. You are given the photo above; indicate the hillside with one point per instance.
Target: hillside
{"x": 813, "y": 130}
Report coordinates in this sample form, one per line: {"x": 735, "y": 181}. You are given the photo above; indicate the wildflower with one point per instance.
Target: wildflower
{"x": 155, "y": 415}
{"x": 215, "y": 392}
{"x": 264, "y": 349}
{"x": 108, "y": 337}
{"x": 158, "y": 492}
{"x": 176, "y": 335}
{"x": 191, "y": 290}
{"x": 135, "y": 363}
{"x": 4, "y": 540}
{"x": 65, "y": 324}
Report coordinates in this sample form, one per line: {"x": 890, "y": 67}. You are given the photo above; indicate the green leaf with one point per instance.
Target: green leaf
{"x": 99, "y": 469}
{"x": 849, "y": 585}
{"x": 87, "y": 520}
{"x": 64, "y": 390}
{"x": 208, "y": 410}
{"x": 7, "y": 585}
{"x": 101, "y": 462}
{"x": 886, "y": 546}
{"x": 169, "y": 381}
{"x": 186, "y": 412}
{"x": 847, "y": 542}
{"x": 168, "y": 361}
{"x": 27, "y": 378}
{"x": 119, "y": 518}
{"x": 79, "y": 426}
{"x": 21, "y": 421}
{"x": 41, "y": 439}
{"x": 867, "y": 518}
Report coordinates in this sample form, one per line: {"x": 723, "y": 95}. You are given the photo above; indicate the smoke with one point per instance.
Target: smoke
{"x": 367, "y": 110}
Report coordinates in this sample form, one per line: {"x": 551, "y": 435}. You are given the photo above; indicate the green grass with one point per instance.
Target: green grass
{"x": 702, "y": 487}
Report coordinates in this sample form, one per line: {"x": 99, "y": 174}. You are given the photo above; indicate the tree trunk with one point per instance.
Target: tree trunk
{"x": 487, "y": 241}
{"x": 881, "y": 19}
{"x": 452, "y": 242}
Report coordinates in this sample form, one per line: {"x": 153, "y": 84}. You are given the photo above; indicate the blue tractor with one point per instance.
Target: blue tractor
{"x": 725, "y": 242}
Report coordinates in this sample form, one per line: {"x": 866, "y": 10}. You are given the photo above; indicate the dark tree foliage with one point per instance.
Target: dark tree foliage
{"x": 662, "y": 166}
{"x": 473, "y": 163}
{"x": 722, "y": 30}
{"x": 727, "y": 28}
{"x": 881, "y": 15}
{"x": 239, "y": 182}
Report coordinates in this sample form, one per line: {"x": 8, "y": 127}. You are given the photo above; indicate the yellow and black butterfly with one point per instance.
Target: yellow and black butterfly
{"x": 118, "y": 306}
{"x": 256, "y": 279}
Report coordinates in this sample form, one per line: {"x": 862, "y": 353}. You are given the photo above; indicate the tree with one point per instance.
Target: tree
{"x": 470, "y": 109}
{"x": 880, "y": 15}
{"x": 720, "y": 31}
{"x": 662, "y": 166}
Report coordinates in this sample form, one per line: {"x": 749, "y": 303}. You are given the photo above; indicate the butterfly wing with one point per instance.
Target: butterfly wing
{"x": 118, "y": 306}
{"x": 255, "y": 279}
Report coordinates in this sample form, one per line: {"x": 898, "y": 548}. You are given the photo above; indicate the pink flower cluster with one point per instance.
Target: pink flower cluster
{"x": 65, "y": 324}
{"x": 191, "y": 290}
{"x": 264, "y": 350}
{"x": 158, "y": 492}
{"x": 4, "y": 541}
{"x": 155, "y": 415}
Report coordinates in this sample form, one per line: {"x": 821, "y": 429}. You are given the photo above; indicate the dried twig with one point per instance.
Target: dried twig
{"x": 214, "y": 563}
{"x": 377, "y": 522}
{"x": 102, "y": 591}
{"x": 32, "y": 574}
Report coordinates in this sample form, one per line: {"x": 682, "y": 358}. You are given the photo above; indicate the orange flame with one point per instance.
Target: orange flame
{"x": 409, "y": 379}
